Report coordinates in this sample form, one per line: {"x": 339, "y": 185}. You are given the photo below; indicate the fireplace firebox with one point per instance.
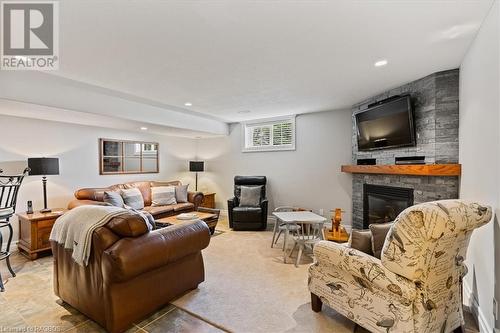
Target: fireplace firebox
{"x": 382, "y": 204}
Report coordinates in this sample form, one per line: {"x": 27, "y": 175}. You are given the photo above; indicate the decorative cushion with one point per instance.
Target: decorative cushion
{"x": 250, "y": 196}
{"x": 379, "y": 232}
{"x": 163, "y": 195}
{"x": 361, "y": 240}
{"x": 113, "y": 198}
{"x": 133, "y": 198}
{"x": 144, "y": 187}
{"x": 181, "y": 193}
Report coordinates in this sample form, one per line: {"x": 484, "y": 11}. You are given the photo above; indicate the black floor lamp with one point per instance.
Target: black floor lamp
{"x": 196, "y": 166}
{"x": 43, "y": 166}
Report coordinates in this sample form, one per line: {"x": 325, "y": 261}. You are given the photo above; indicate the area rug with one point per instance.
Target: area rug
{"x": 248, "y": 288}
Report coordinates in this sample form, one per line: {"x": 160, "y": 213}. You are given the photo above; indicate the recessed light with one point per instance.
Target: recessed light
{"x": 188, "y": 104}
{"x": 244, "y": 111}
{"x": 144, "y": 128}
{"x": 381, "y": 63}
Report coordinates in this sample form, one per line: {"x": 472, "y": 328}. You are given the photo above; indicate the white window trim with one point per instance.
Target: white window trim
{"x": 263, "y": 122}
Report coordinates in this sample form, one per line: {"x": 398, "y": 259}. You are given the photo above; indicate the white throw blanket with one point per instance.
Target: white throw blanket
{"x": 75, "y": 228}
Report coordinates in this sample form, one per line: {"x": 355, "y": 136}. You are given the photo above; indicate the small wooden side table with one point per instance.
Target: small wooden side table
{"x": 208, "y": 200}
{"x": 34, "y": 232}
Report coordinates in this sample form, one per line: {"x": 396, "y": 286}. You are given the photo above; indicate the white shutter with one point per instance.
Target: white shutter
{"x": 282, "y": 133}
{"x": 275, "y": 134}
{"x": 261, "y": 136}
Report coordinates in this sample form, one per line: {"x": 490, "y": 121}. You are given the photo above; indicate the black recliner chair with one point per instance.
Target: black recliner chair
{"x": 248, "y": 218}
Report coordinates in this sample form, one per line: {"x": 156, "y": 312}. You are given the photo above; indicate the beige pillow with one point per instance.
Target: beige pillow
{"x": 361, "y": 240}
{"x": 379, "y": 232}
{"x": 163, "y": 195}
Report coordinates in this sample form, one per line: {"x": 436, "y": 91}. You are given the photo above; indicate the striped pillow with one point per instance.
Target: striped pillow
{"x": 163, "y": 195}
{"x": 133, "y": 198}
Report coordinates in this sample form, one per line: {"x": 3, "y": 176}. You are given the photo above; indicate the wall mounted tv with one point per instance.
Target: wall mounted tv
{"x": 386, "y": 124}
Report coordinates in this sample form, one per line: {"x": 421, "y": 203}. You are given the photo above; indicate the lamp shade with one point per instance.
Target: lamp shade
{"x": 196, "y": 166}
{"x": 43, "y": 166}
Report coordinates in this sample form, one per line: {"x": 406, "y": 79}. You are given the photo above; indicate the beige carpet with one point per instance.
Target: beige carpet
{"x": 248, "y": 288}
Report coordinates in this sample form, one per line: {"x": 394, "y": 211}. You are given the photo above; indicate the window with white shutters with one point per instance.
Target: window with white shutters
{"x": 272, "y": 134}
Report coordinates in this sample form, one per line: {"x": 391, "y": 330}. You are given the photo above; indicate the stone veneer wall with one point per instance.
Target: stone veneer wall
{"x": 435, "y": 101}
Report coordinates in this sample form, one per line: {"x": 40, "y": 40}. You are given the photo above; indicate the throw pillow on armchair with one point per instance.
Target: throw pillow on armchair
{"x": 250, "y": 196}
{"x": 379, "y": 232}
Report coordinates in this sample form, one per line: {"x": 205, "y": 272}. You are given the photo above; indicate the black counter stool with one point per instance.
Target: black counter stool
{"x": 9, "y": 188}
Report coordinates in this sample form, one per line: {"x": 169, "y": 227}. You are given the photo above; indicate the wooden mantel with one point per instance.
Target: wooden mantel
{"x": 411, "y": 169}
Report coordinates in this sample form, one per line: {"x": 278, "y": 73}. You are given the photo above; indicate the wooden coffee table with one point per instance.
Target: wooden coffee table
{"x": 209, "y": 218}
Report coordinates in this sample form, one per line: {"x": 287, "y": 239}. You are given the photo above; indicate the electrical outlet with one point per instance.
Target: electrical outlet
{"x": 321, "y": 211}
{"x": 495, "y": 308}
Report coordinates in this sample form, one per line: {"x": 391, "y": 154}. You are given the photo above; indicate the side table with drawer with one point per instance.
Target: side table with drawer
{"x": 34, "y": 232}
{"x": 208, "y": 200}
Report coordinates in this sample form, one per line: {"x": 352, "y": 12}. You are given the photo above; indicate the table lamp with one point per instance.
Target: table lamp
{"x": 43, "y": 166}
{"x": 196, "y": 166}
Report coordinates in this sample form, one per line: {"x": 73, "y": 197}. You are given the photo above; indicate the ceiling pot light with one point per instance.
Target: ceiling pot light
{"x": 188, "y": 104}
{"x": 381, "y": 63}
{"x": 144, "y": 128}
{"x": 244, "y": 111}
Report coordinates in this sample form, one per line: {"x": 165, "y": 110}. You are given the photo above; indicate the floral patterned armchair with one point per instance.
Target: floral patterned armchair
{"x": 415, "y": 287}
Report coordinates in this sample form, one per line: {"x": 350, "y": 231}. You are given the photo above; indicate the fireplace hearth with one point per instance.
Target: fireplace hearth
{"x": 383, "y": 204}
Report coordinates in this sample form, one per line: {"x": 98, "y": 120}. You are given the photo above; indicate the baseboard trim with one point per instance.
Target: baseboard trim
{"x": 473, "y": 304}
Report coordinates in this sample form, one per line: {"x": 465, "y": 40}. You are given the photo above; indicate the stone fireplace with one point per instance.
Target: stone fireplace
{"x": 383, "y": 204}
{"x": 435, "y": 102}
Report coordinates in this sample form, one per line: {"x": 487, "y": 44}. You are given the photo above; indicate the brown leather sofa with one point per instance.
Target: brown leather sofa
{"x": 132, "y": 271}
{"x": 95, "y": 196}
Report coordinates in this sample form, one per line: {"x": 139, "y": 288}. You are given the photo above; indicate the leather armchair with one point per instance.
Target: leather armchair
{"x": 248, "y": 218}
{"x": 416, "y": 285}
{"x": 132, "y": 271}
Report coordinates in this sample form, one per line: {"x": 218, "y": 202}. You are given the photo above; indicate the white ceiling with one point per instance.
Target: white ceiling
{"x": 142, "y": 60}
{"x": 269, "y": 57}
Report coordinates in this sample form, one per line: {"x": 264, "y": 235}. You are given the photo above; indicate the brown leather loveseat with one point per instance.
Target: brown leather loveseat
{"x": 132, "y": 271}
{"x": 95, "y": 196}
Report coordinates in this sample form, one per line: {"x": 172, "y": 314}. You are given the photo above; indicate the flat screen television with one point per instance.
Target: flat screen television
{"x": 388, "y": 124}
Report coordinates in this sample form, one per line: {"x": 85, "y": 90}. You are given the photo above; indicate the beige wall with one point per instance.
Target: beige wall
{"x": 307, "y": 177}
{"x": 77, "y": 149}
{"x": 479, "y": 154}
